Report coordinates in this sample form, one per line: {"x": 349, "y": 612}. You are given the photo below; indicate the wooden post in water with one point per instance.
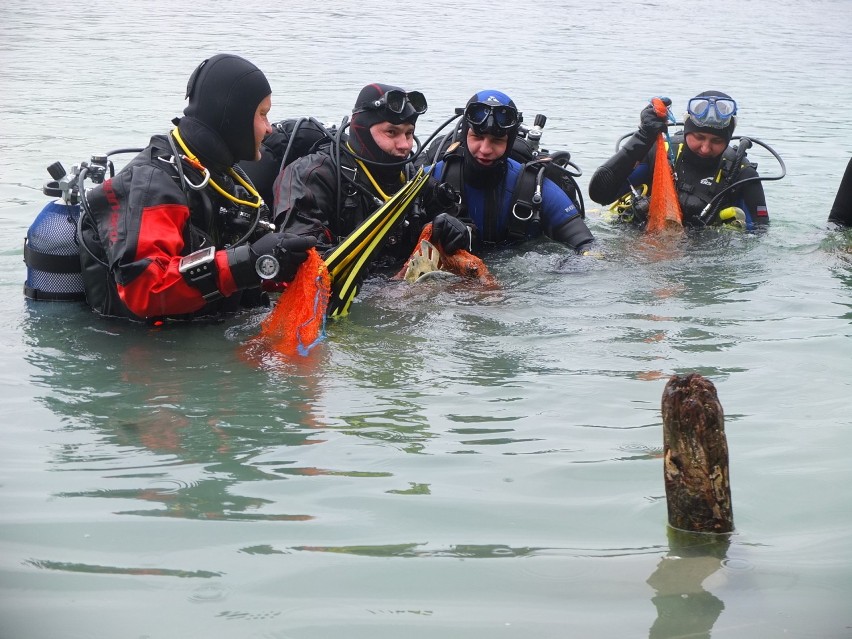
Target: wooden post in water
{"x": 695, "y": 452}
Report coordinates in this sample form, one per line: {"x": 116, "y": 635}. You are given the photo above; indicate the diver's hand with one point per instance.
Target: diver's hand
{"x": 288, "y": 249}
{"x": 451, "y": 234}
{"x": 651, "y": 124}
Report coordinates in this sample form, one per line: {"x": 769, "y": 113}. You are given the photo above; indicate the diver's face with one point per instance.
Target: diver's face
{"x": 394, "y": 139}
{"x": 262, "y": 128}
{"x": 485, "y": 148}
{"x": 706, "y": 145}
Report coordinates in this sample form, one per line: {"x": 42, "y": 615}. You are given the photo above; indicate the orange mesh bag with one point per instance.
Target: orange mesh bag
{"x": 297, "y": 322}
{"x": 461, "y": 262}
{"x": 664, "y": 208}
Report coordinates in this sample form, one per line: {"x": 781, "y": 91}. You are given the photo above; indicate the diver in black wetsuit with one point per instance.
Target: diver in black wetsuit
{"x": 326, "y": 195}
{"x": 705, "y": 165}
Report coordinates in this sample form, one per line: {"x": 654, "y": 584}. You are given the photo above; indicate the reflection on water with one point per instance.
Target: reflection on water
{"x": 207, "y": 501}
{"x": 684, "y": 607}
{"x": 160, "y": 392}
{"x": 114, "y": 570}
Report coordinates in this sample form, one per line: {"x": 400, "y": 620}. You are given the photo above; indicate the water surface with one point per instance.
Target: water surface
{"x": 451, "y": 462}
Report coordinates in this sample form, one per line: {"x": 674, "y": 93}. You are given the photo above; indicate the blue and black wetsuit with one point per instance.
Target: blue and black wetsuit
{"x": 490, "y": 209}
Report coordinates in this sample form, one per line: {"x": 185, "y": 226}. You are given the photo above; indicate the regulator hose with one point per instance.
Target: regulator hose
{"x": 709, "y": 213}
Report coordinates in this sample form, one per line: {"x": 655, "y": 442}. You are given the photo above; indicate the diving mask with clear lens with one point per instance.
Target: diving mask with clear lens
{"x": 712, "y": 112}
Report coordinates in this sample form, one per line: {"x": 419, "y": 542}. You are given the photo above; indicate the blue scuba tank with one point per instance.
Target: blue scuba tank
{"x": 51, "y": 252}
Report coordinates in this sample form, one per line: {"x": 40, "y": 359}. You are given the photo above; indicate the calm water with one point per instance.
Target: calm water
{"x": 450, "y": 462}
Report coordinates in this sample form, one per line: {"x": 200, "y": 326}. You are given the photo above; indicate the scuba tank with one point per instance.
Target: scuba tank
{"x": 51, "y": 248}
{"x": 51, "y": 252}
{"x": 533, "y": 134}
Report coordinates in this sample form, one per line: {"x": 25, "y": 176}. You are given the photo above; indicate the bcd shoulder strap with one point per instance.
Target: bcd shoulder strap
{"x": 525, "y": 211}
{"x": 525, "y": 208}
{"x": 453, "y": 160}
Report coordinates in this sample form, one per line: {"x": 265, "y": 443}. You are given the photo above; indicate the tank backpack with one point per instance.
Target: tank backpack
{"x": 290, "y": 139}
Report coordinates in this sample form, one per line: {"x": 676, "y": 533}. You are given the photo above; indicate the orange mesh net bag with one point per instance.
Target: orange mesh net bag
{"x": 297, "y": 321}
{"x": 461, "y": 262}
{"x": 664, "y": 212}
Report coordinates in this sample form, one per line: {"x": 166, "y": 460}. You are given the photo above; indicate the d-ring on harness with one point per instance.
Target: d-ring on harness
{"x": 195, "y": 162}
{"x": 534, "y": 205}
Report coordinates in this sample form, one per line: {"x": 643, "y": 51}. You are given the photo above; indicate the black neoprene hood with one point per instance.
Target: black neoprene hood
{"x": 224, "y": 92}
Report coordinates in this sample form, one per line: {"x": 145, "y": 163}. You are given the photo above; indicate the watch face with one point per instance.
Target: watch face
{"x": 266, "y": 266}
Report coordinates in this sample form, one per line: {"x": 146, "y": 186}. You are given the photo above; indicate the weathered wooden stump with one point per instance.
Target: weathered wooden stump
{"x": 695, "y": 451}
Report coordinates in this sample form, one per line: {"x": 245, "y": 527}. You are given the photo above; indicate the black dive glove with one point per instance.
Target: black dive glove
{"x": 287, "y": 251}
{"x": 607, "y": 182}
{"x": 451, "y": 233}
{"x": 651, "y": 124}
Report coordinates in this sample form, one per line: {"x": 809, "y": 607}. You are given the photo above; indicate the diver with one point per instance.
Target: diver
{"x": 715, "y": 183}
{"x": 841, "y": 210}
{"x": 179, "y": 232}
{"x": 479, "y": 168}
{"x": 327, "y": 194}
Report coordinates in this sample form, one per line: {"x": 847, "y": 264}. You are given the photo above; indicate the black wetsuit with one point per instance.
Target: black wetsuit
{"x": 307, "y": 197}
{"x": 841, "y": 210}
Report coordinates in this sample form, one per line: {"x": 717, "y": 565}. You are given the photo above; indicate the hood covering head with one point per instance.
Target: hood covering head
{"x": 368, "y": 111}
{"x": 475, "y": 173}
{"x": 224, "y": 92}
{"x": 690, "y": 125}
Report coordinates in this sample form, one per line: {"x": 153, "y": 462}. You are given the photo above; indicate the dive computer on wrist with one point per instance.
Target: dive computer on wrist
{"x": 199, "y": 270}
{"x": 267, "y": 267}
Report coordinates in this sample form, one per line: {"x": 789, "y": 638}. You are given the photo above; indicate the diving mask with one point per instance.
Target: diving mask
{"x": 713, "y": 112}
{"x": 395, "y": 101}
{"x": 484, "y": 117}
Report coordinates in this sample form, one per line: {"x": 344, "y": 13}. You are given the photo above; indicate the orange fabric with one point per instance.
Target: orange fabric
{"x": 297, "y": 322}
{"x": 461, "y": 262}
{"x": 664, "y": 208}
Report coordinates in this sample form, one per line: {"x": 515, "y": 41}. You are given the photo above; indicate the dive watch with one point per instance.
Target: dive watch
{"x": 267, "y": 267}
